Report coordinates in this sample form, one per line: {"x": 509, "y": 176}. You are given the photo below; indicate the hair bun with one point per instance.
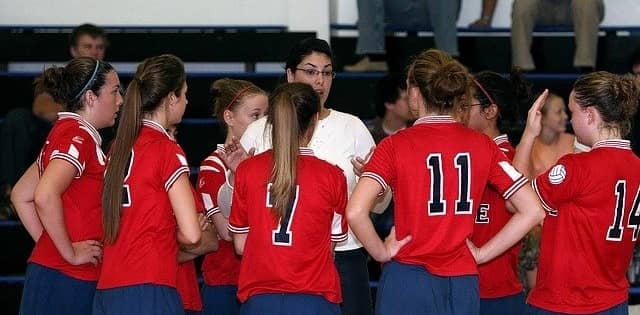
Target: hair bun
{"x": 53, "y": 82}
{"x": 449, "y": 81}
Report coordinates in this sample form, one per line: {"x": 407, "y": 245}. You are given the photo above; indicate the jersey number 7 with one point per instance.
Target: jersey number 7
{"x": 282, "y": 235}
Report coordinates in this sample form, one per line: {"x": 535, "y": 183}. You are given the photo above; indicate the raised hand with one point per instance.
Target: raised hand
{"x": 534, "y": 116}
{"x": 234, "y": 153}
{"x": 87, "y": 251}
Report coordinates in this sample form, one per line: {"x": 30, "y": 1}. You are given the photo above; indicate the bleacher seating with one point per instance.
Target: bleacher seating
{"x": 351, "y": 92}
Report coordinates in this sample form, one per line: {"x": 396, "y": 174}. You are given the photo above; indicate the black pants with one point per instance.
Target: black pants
{"x": 354, "y": 279}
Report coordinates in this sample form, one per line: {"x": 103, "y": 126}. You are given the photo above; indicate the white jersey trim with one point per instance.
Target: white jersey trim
{"x": 377, "y": 178}
{"x": 545, "y": 205}
{"x": 238, "y": 229}
{"x": 154, "y": 125}
{"x": 174, "y": 177}
{"x": 69, "y": 158}
{"x": 85, "y": 125}
{"x": 613, "y": 143}
{"x": 519, "y": 183}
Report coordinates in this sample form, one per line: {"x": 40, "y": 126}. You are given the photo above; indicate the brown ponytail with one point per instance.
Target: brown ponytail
{"x": 155, "y": 78}
{"x": 292, "y": 108}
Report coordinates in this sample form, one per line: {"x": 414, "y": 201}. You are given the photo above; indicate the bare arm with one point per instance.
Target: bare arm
{"x": 528, "y": 213}
{"x": 220, "y": 223}
{"x": 48, "y": 201}
{"x": 184, "y": 208}
{"x": 239, "y": 240}
{"x": 23, "y": 199}
{"x": 522, "y": 159}
{"x": 207, "y": 244}
{"x": 361, "y": 202}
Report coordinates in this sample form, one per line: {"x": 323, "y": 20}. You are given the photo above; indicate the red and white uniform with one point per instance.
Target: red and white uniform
{"x": 590, "y": 230}
{"x": 222, "y": 266}
{"x": 75, "y": 141}
{"x": 187, "y": 281}
{"x": 499, "y": 277}
{"x": 292, "y": 254}
{"x": 146, "y": 249}
{"x": 438, "y": 170}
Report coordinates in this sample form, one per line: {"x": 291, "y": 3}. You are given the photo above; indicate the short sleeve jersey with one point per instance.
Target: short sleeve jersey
{"x": 438, "y": 170}
{"x": 498, "y": 277}
{"x": 76, "y": 142}
{"x": 292, "y": 254}
{"x": 337, "y": 139}
{"x": 590, "y": 230}
{"x": 220, "y": 267}
{"x": 146, "y": 243}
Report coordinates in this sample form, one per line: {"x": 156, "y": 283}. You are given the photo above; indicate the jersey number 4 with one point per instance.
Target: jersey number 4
{"x": 282, "y": 235}
{"x": 437, "y": 205}
{"x": 615, "y": 230}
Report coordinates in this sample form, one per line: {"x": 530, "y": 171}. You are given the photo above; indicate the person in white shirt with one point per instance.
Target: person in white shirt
{"x": 339, "y": 138}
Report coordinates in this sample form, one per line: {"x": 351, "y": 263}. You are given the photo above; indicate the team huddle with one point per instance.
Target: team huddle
{"x": 281, "y": 210}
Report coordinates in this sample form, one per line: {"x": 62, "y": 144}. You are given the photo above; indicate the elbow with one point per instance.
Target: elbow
{"x": 43, "y": 198}
{"x": 352, "y": 214}
{"x": 539, "y": 215}
{"x": 192, "y": 239}
{"x": 17, "y": 198}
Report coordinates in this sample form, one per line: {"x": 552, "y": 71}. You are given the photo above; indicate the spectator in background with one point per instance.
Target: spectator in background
{"x": 441, "y": 16}
{"x": 88, "y": 40}
{"x": 488, "y": 8}
{"x": 23, "y": 132}
{"x": 392, "y": 109}
{"x": 585, "y": 15}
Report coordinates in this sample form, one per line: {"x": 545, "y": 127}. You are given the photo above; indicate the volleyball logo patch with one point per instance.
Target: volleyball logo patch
{"x": 557, "y": 174}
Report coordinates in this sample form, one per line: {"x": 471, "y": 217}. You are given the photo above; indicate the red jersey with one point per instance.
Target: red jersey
{"x": 187, "y": 286}
{"x": 222, "y": 266}
{"x": 499, "y": 277}
{"x": 146, "y": 248}
{"x": 590, "y": 229}
{"x": 292, "y": 254}
{"x": 438, "y": 170}
{"x": 187, "y": 281}
{"x": 75, "y": 141}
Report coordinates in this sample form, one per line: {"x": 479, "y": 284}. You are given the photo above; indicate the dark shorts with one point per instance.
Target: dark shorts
{"x": 288, "y": 304}
{"x": 220, "y": 300}
{"x": 143, "y": 299}
{"x": 620, "y": 309}
{"x": 410, "y": 289}
{"x": 49, "y": 291}
{"x": 506, "y": 305}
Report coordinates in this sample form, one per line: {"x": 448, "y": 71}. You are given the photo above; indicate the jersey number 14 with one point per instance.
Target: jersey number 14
{"x": 615, "y": 230}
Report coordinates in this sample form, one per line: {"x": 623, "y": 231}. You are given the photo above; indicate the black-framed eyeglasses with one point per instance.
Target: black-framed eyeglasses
{"x": 315, "y": 73}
